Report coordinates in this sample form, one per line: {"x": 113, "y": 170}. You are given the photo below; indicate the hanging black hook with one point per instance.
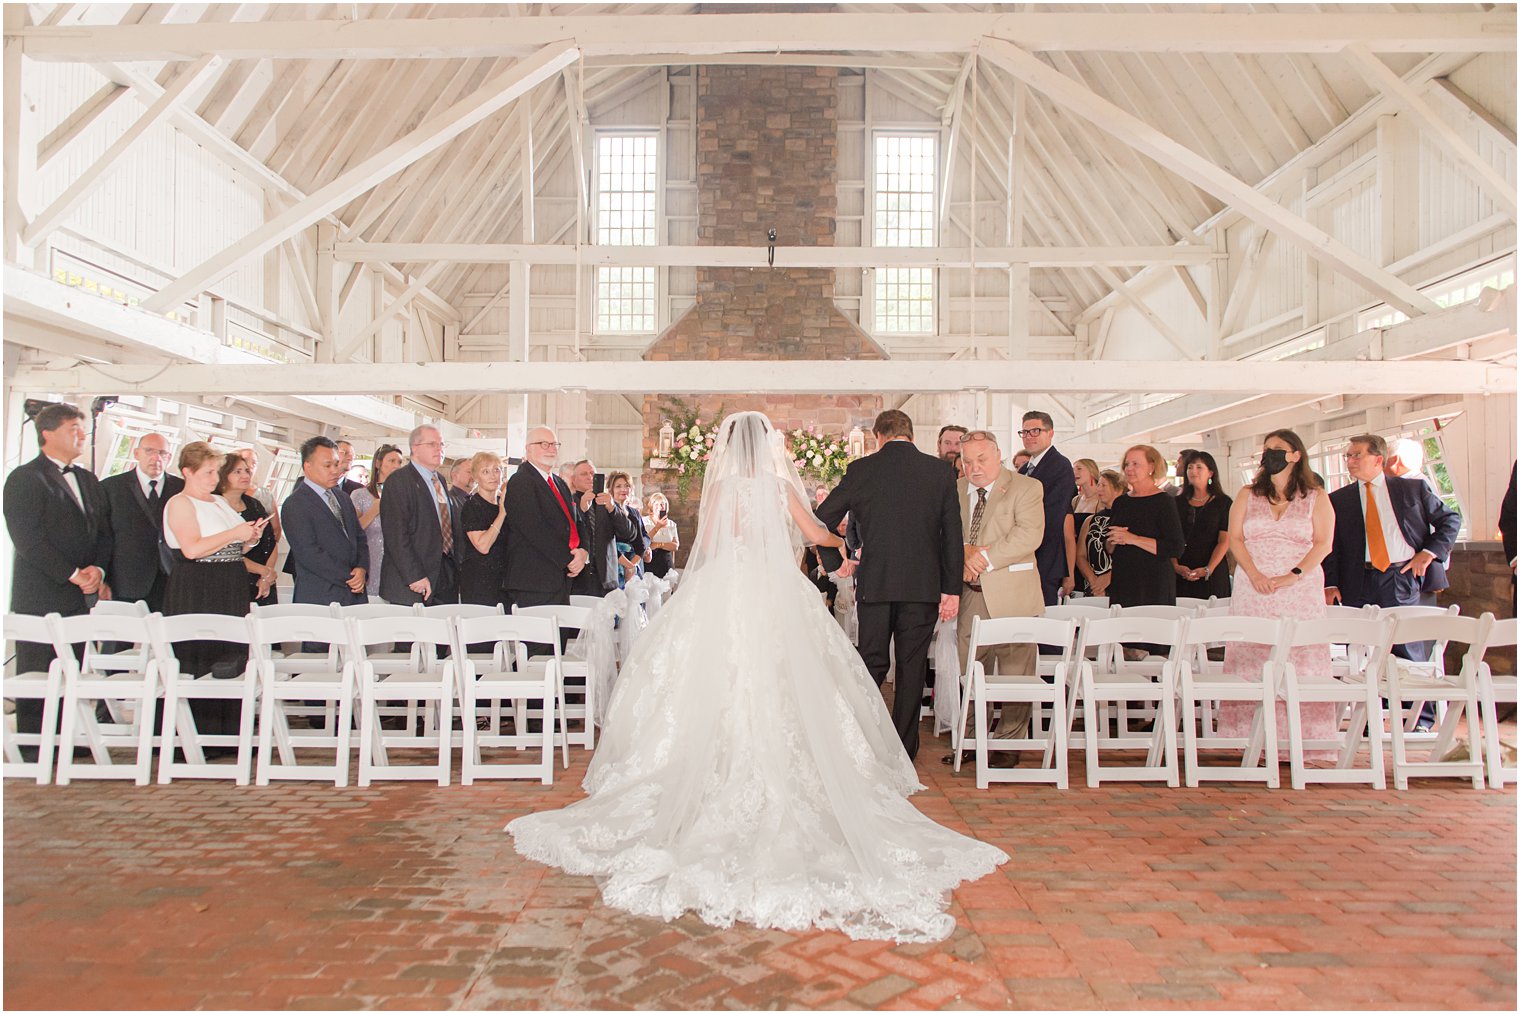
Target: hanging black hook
{"x": 771, "y": 256}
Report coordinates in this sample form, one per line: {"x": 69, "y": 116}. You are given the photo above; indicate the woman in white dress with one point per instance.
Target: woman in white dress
{"x": 749, "y": 770}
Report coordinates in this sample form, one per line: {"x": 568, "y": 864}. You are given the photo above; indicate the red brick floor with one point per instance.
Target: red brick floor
{"x": 410, "y": 896}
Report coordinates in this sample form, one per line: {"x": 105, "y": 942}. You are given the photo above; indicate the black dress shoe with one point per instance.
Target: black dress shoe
{"x": 1004, "y": 758}
{"x": 966, "y": 757}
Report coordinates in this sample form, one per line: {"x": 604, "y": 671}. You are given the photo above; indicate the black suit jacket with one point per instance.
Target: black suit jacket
{"x": 135, "y": 530}
{"x": 1055, "y": 474}
{"x": 1424, "y": 520}
{"x": 910, "y": 525}
{"x": 1507, "y": 517}
{"x": 53, "y": 537}
{"x": 413, "y": 535}
{"x": 600, "y": 530}
{"x": 538, "y": 547}
{"x": 323, "y": 553}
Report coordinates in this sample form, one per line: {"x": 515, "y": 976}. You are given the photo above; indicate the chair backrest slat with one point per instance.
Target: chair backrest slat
{"x": 200, "y": 627}
{"x": 1232, "y": 629}
{"x": 407, "y": 626}
{"x": 568, "y": 616}
{"x": 327, "y": 629}
{"x": 1503, "y": 634}
{"x": 516, "y": 627}
{"x": 1126, "y": 628}
{"x": 283, "y": 609}
{"x": 24, "y": 627}
{"x": 104, "y": 627}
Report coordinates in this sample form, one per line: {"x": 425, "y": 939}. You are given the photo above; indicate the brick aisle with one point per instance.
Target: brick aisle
{"x": 410, "y": 896}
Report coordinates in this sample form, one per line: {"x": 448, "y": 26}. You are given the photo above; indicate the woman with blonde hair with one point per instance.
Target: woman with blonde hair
{"x": 664, "y": 540}
{"x": 484, "y": 517}
{"x": 1093, "y": 561}
{"x": 1144, "y": 534}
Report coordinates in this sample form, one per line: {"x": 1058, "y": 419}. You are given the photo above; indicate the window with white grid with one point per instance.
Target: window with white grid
{"x": 904, "y": 187}
{"x": 627, "y": 210}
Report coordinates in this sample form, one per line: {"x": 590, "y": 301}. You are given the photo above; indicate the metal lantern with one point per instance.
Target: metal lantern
{"x": 857, "y": 443}
{"x": 667, "y": 439}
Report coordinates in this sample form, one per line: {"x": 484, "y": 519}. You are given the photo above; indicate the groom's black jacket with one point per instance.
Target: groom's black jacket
{"x": 910, "y": 525}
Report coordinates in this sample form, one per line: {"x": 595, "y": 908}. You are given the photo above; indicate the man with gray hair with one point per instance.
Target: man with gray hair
{"x": 421, "y": 529}
{"x": 544, "y": 551}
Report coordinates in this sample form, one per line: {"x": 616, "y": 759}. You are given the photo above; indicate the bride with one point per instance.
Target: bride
{"x": 748, "y": 770}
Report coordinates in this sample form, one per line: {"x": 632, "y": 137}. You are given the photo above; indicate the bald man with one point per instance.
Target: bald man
{"x": 544, "y": 551}
{"x": 134, "y": 514}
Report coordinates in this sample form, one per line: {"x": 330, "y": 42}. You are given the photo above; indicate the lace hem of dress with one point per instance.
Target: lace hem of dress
{"x": 908, "y": 908}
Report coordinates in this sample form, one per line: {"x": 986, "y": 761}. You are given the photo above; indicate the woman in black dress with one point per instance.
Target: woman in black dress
{"x": 485, "y": 518}
{"x": 1094, "y": 564}
{"x": 209, "y": 576}
{"x": 235, "y": 484}
{"x": 1203, "y": 508}
{"x": 1144, "y": 534}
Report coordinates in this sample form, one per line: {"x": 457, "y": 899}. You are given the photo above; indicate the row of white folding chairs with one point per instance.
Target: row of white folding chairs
{"x": 469, "y": 681}
{"x": 1188, "y": 681}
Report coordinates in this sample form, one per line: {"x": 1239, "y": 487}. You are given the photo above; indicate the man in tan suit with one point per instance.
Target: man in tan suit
{"x": 1003, "y": 516}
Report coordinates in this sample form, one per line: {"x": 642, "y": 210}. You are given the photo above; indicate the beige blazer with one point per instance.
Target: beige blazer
{"x": 1013, "y": 525}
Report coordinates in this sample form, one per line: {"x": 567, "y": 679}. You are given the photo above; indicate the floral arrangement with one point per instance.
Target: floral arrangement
{"x": 693, "y": 446}
{"x": 819, "y": 456}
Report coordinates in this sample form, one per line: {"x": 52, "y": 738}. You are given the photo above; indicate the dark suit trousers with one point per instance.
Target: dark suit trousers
{"x": 908, "y": 626}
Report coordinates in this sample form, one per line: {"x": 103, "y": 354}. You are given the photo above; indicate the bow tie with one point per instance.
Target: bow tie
{"x": 72, "y": 469}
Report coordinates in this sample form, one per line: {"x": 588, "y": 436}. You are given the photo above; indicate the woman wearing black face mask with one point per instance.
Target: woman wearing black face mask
{"x": 1280, "y": 530}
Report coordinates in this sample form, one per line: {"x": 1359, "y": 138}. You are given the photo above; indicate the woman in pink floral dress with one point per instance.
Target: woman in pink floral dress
{"x": 1280, "y": 529}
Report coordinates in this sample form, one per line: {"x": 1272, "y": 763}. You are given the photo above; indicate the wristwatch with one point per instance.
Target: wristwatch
{"x": 1297, "y": 571}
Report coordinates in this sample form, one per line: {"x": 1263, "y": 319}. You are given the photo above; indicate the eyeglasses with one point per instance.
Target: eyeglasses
{"x": 544, "y": 443}
{"x": 154, "y": 454}
{"x": 1036, "y": 431}
{"x": 1355, "y": 455}
{"x": 431, "y": 443}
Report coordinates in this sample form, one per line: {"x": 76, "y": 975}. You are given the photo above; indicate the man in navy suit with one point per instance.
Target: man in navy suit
{"x": 1054, "y": 557}
{"x": 1388, "y": 533}
{"x": 329, "y": 555}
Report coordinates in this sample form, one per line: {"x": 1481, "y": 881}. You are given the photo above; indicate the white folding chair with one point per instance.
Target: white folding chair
{"x": 291, "y": 657}
{"x": 1046, "y": 736}
{"x": 1434, "y": 666}
{"x": 1120, "y": 687}
{"x": 1413, "y": 682}
{"x": 1200, "y": 683}
{"x": 418, "y": 658}
{"x": 286, "y": 691}
{"x": 180, "y": 688}
{"x": 585, "y": 601}
{"x": 46, "y": 687}
{"x": 133, "y": 692}
{"x": 1195, "y": 604}
{"x": 575, "y": 675}
{"x": 133, "y": 657}
{"x": 518, "y": 682}
{"x": 1099, "y": 601}
{"x": 1494, "y": 690}
{"x": 1366, "y": 640}
{"x": 431, "y": 684}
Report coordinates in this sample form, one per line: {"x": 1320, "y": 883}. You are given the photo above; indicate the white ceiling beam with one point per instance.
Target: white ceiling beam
{"x": 1162, "y": 327}
{"x": 1242, "y": 196}
{"x": 796, "y": 376}
{"x": 186, "y": 85}
{"x": 400, "y": 303}
{"x": 1495, "y": 127}
{"x": 90, "y": 110}
{"x": 429, "y": 136}
{"x": 1377, "y": 73}
{"x": 686, "y": 36}
{"x": 756, "y": 256}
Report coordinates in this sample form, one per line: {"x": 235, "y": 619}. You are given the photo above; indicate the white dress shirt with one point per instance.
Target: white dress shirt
{"x": 69, "y": 480}
{"x": 143, "y": 480}
{"x": 1399, "y": 551}
{"x": 1032, "y": 462}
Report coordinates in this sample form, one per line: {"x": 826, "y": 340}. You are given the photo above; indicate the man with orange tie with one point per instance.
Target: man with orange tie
{"x": 1388, "y": 531}
{"x": 544, "y": 551}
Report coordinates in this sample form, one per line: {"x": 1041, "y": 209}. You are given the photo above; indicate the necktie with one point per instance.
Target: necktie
{"x": 337, "y": 512}
{"x": 153, "y": 493}
{"x": 1024, "y": 468}
{"x": 575, "y": 535}
{"x": 446, "y": 527}
{"x": 1377, "y": 546}
{"x": 976, "y": 515}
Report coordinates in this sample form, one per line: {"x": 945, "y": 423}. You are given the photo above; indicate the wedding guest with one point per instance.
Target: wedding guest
{"x": 820, "y": 495}
{"x": 264, "y": 492}
{"x": 366, "y": 500}
{"x": 1003, "y": 516}
{"x": 1143, "y": 537}
{"x": 1507, "y": 533}
{"x": 1058, "y": 552}
{"x": 1020, "y": 459}
{"x": 421, "y": 528}
{"x": 484, "y": 516}
{"x": 461, "y": 481}
{"x": 329, "y": 557}
{"x": 602, "y": 525}
{"x": 567, "y": 471}
{"x": 55, "y": 514}
{"x": 1280, "y": 530}
{"x": 1204, "y": 511}
{"x": 948, "y": 446}
{"x": 347, "y": 484}
{"x": 1095, "y": 563}
{"x": 1179, "y": 486}
{"x": 133, "y": 512}
{"x": 1407, "y": 458}
{"x": 664, "y": 540}
{"x": 544, "y": 551}
{"x": 631, "y": 552}
{"x": 234, "y": 481}
{"x": 210, "y": 575}
{"x": 1086, "y": 472}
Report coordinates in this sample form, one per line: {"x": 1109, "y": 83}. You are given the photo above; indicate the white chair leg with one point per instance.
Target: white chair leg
{"x": 1493, "y": 753}
{"x": 1189, "y": 735}
{"x": 547, "y": 731}
{"x": 1269, "y": 733}
{"x": 48, "y": 740}
{"x": 171, "y": 731}
{"x": 1396, "y": 727}
{"x": 1090, "y": 734}
{"x": 978, "y": 701}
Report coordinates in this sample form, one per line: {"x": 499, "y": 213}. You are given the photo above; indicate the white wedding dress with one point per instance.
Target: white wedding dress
{"x": 748, "y": 770}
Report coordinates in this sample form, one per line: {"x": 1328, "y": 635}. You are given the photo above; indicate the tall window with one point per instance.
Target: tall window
{"x": 904, "y": 216}
{"x": 627, "y": 208}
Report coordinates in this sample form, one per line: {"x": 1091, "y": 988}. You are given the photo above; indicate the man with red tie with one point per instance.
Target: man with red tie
{"x": 544, "y": 551}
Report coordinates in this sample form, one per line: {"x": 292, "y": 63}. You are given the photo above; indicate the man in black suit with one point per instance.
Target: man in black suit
{"x": 1507, "y": 533}
{"x": 134, "y": 514}
{"x": 601, "y": 527}
{"x": 329, "y": 556}
{"x": 422, "y": 530}
{"x": 909, "y": 574}
{"x": 55, "y": 514}
{"x": 544, "y": 552}
{"x": 1388, "y": 533}
{"x": 461, "y": 483}
{"x": 1057, "y": 553}
{"x": 345, "y": 462}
